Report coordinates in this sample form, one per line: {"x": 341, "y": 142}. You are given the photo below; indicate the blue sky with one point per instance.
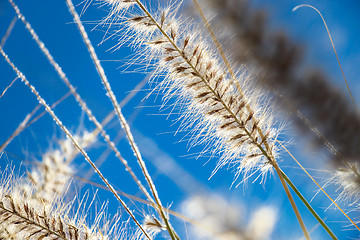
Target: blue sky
{"x": 151, "y": 125}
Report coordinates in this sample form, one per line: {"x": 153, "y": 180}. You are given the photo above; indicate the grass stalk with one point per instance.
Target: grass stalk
{"x": 307, "y": 204}
{"x": 8, "y": 87}
{"x": 122, "y": 119}
{"x": 293, "y": 204}
{"x": 333, "y": 47}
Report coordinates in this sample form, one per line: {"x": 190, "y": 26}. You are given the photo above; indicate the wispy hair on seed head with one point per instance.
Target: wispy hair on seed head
{"x": 193, "y": 73}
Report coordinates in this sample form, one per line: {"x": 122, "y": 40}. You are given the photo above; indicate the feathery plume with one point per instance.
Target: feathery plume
{"x": 152, "y": 225}
{"x": 237, "y": 120}
{"x": 40, "y": 193}
{"x": 51, "y": 177}
{"x": 33, "y": 207}
{"x": 21, "y": 218}
{"x": 230, "y": 117}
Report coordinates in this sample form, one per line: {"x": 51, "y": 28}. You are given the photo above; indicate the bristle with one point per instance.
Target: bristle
{"x": 348, "y": 182}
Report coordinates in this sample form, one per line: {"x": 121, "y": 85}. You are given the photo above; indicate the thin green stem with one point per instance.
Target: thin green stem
{"x": 307, "y": 204}
{"x": 292, "y": 202}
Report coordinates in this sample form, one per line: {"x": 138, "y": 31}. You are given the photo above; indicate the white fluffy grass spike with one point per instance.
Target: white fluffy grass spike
{"x": 238, "y": 122}
{"x": 68, "y": 134}
{"x": 51, "y": 177}
{"x": 23, "y": 218}
{"x": 78, "y": 98}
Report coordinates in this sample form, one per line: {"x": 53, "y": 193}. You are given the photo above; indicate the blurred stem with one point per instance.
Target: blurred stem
{"x": 307, "y": 204}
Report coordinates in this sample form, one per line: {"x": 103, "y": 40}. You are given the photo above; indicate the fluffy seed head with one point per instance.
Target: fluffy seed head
{"x": 22, "y": 218}
{"x": 51, "y": 176}
{"x": 234, "y": 121}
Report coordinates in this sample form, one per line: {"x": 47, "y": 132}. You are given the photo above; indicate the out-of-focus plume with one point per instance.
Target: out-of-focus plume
{"x": 235, "y": 117}
{"x": 221, "y": 220}
{"x": 277, "y": 65}
{"x": 48, "y": 180}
